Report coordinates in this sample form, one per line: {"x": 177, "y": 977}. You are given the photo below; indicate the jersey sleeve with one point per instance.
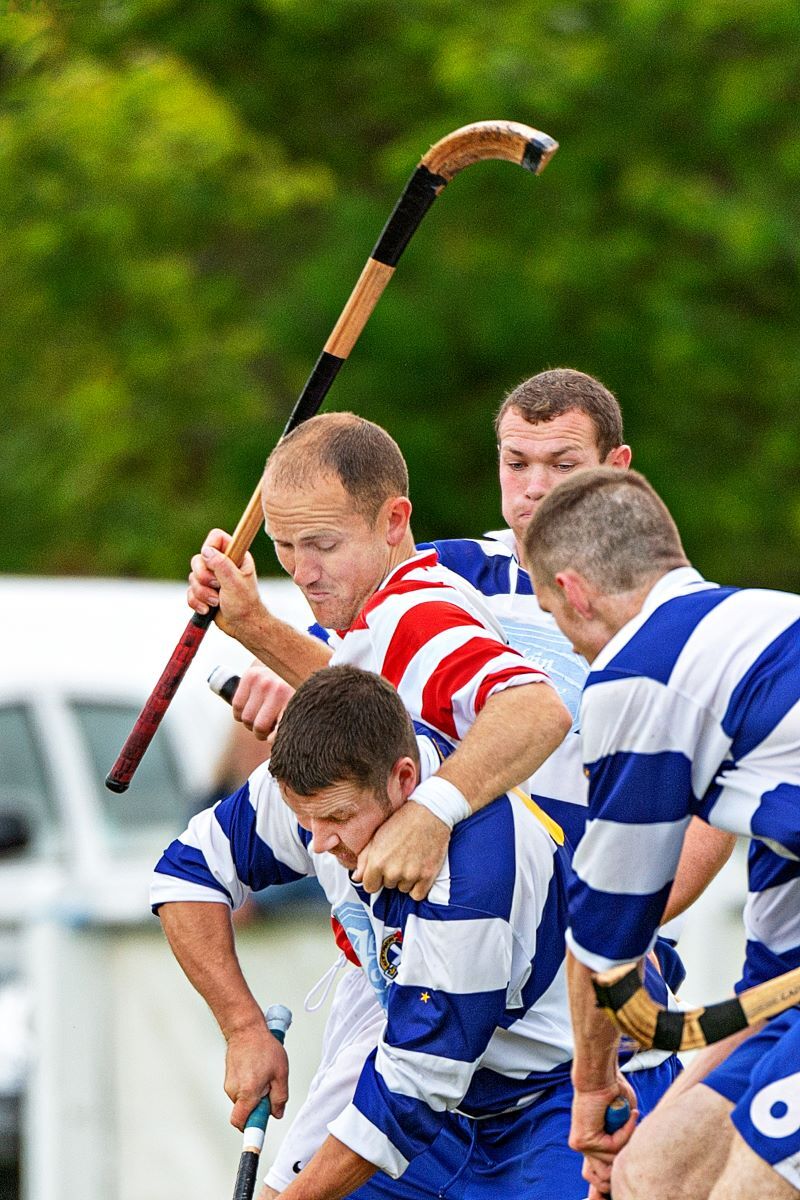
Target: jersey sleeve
{"x": 246, "y": 842}
{"x": 442, "y": 657}
{"x": 443, "y": 1008}
{"x": 641, "y": 741}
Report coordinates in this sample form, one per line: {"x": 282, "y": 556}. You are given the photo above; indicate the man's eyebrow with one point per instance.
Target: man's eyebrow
{"x": 309, "y": 537}
{"x": 556, "y": 452}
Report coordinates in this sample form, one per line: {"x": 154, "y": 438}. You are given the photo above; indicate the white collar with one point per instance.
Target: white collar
{"x": 674, "y": 583}
{"x": 505, "y": 537}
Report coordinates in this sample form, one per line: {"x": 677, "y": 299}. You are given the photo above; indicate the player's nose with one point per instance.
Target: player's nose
{"x": 323, "y": 839}
{"x": 306, "y": 570}
{"x": 537, "y": 483}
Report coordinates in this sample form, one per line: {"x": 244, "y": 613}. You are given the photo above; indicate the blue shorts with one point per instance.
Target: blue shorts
{"x": 521, "y": 1154}
{"x": 524, "y": 1153}
{"x": 651, "y": 1083}
{"x": 761, "y": 1078}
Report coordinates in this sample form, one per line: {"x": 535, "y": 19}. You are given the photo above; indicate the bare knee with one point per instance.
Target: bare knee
{"x": 677, "y": 1152}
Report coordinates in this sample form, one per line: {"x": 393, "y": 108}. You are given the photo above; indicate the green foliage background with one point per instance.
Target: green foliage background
{"x": 189, "y": 189}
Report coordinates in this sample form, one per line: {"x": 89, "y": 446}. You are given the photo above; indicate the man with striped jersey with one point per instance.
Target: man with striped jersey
{"x": 691, "y": 708}
{"x": 336, "y": 507}
{"x": 467, "y": 1092}
{"x": 552, "y": 424}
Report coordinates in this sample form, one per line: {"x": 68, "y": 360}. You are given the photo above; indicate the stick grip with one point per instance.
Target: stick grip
{"x": 223, "y": 683}
{"x": 279, "y": 1018}
{"x": 150, "y": 717}
{"x": 617, "y": 1114}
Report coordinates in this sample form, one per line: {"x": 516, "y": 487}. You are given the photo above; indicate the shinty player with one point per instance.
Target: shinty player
{"x": 552, "y": 424}
{"x": 691, "y": 708}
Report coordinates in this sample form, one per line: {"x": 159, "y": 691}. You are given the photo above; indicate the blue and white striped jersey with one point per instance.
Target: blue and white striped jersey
{"x": 692, "y": 708}
{"x": 560, "y": 787}
{"x": 472, "y": 979}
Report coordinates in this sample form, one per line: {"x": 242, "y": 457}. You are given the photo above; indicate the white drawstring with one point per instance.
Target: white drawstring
{"x": 325, "y": 983}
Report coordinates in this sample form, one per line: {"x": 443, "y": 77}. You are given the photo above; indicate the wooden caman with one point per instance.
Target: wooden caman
{"x": 507, "y": 140}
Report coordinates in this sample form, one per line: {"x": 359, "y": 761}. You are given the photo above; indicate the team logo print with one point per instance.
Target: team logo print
{"x": 775, "y": 1110}
{"x": 391, "y": 950}
{"x": 354, "y": 919}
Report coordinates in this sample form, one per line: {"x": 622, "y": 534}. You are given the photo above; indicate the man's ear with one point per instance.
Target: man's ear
{"x": 397, "y": 516}
{"x": 403, "y": 778}
{"x": 619, "y": 457}
{"x": 577, "y": 592}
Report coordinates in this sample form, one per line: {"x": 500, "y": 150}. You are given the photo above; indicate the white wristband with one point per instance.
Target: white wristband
{"x": 443, "y": 799}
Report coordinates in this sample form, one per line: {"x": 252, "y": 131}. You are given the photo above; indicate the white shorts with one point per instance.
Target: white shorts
{"x": 354, "y": 1025}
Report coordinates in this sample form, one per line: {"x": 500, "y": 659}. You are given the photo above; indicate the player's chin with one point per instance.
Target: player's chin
{"x": 346, "y": 858}
{"x": 329, "y": 612}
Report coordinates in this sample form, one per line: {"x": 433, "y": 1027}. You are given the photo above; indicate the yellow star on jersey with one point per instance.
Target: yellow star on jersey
{"x": 425, "y": 997}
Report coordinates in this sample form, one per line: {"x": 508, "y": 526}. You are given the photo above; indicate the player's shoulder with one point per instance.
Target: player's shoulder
{"x": 422, "y": 581}
{"x": 488, "y": 564}
{"x": 715, "y": 625}
{"x": 508, "y": 844}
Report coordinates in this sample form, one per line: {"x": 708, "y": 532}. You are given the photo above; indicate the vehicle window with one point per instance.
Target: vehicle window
{"x": 157, "y": 794}
{"x": 24, "y": 786}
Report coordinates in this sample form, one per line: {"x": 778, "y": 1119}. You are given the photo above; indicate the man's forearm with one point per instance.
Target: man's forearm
{"x": 514, "y": 733}
{"x": 334, "y": 1171}
{"x": 704, "y": 854}
{"x": 290, "y": 653}
{"x": 596, "y": 1040}
{"x": 201, "y": 938}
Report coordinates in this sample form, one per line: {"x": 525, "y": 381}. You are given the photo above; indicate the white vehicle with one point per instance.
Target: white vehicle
{"x": 78, "y": 659}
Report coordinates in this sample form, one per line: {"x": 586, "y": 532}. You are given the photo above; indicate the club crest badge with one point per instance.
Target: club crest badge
{"x": 391, "y": 950}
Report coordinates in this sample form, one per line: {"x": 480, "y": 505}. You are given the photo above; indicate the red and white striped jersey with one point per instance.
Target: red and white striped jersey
{"x": 433, "y": 637}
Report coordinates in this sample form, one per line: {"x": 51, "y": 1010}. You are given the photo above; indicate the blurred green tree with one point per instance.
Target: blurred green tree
{"x": 188, "y": 189}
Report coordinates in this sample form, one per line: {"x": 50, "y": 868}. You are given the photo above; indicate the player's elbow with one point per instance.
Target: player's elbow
{"x": 552, "y": 715}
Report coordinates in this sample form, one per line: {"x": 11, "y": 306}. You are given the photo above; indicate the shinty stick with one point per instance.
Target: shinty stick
{"x": 621, "y": 993}
{"x": 507, "y": 140}
{"x": 278, "y": 1018}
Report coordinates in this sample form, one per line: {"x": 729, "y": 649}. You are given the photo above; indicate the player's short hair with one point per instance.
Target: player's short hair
{"x": 551, "y": 393}
{"x": 609, "y": 525}
{"x": 341, "y": 724}
{"x": 362, "y": 455}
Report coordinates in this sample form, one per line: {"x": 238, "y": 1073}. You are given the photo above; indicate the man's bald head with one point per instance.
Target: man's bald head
{"x": 608, "y": 525}
{"x": 363, "y": 457}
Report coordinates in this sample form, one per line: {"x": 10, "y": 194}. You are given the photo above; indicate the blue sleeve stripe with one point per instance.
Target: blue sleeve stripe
{"x": 628, "y": 783}
{"x": 408, "y": 1123}
{"x": 445, "y": 1025}
{"x": 776, "y": 817}
{"x": 766, "y": 869}
{"x": 595, "y": 920}
{"x": 186, "y": 862}
{"x": 764, "y": 694}
{"x": 657, "y": 645}
{"x": 256, "y": 864}
{"x": 318, "y": 631}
